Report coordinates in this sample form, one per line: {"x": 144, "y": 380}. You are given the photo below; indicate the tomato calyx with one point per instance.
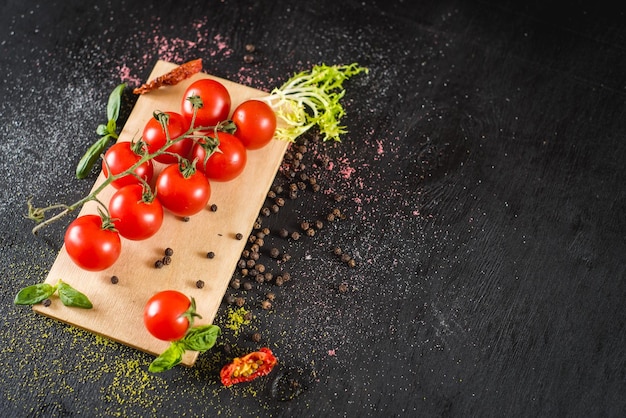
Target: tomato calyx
{"x": 108, "y": 223}
{"x": 249, "y": 367}
{"x": 191, "y": 314}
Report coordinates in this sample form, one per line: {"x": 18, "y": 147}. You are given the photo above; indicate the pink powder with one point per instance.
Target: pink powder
{"x": 127, "y": 77}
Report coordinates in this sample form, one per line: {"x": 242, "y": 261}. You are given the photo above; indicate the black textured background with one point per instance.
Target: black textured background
{"x": 485, "y": 198}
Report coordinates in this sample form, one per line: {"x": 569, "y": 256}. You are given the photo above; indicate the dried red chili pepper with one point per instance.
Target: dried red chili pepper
{"x": 249, "y": 367}
{"x": 175, "y": 76}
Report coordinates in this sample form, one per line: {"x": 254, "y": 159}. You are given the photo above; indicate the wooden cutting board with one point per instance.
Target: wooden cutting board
{"x": 118, "y": 308}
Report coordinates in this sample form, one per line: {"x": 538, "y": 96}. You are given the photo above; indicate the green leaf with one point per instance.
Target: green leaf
{"x": 91, "y": 156}
{"x": 201, "y": 338}
{"x": 115, "y": 102}
{"x": 112, "y": 128}
{"x": 102, "y": 130}
{"x": 34, "y": 294}
{"x": 168, "y": 359}
{"x": 72, "y": 297}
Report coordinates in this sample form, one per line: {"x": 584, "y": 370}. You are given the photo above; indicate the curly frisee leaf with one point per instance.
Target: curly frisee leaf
{"x": 312, "y": 98}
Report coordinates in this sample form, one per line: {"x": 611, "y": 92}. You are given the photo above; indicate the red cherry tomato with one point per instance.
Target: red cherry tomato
{"x": 256, "y": 123}
{"x": 120, "y": 157}
{"x": 182, "y": 194}
{"x": 215, "y": 102}
{"x": 89, "y": 245}
{"x": 134, "y": 215}
{"x": 154, "y": 136}
{"x": 165, "y": 315}
{"x": 224, "y": 164}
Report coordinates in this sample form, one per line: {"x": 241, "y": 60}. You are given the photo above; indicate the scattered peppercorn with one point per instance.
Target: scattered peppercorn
{"x": 248, "y": 58}
{"x": 210, "y": 254}
{"x": 239, "y": 301}
{"x": 304, "y": 225}
{"x": 250, "y": 47}
{"x": 274, "y": 252}
{"x": 343, "y": 288}
{"x": 266, "y": 304}
{"x": 158, "y": 264}
{"x": 200, "y": 284}
{"x": 167, "y": 260}
{"x": 239, "y": 236}
{"x": 247, "y": 286}
{"x": 337, "y": 251}
{"x": 270, "y": 296}
{"x": 283, "y": 233}
{"x": 186, "y": 218}
{"x": 310, "y": 232}
{"x": 352, "y": 263}
{"x": 235, "y": 283}
{"x": 115, "y": 279}
{"x": 169, "y": 252}
{"x": 295, "y": 235}
{"x": 256, "y": 337}
{"x": 213, "y": 207}
{"x": 46, "y": 302}
{"x": 265, "y": 211}
{"x": 229, "y": 299}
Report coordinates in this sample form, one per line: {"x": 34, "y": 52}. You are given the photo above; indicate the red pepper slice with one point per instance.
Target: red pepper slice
{"x": 249, "y": 367}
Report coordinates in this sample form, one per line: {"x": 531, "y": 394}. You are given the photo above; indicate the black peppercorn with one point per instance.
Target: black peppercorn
{"x": 210, "y": 254}
{"x": 239, "y": 236}
{"x": 256, "y": 337}
{"x": 167, "y": 260}
{"x": 115, "y": 279}
{"x": 213, "y": 207}
{"x": 283, "y": 233}
{"x": 158, "y": 264}
{"x": 169, "y": 252}
{"x": 200, "y": 284}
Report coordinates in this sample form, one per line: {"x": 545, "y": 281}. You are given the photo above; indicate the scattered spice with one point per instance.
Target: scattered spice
{"x": 213, "y": 207}
{"x": 239, "y": 236}
{"x": 200, "y": 284}
{"x": 169, "y": 252}
{"x": 210, "y": 254}
{"x": 256, "y": 337}
{"x": 115, "y": 279}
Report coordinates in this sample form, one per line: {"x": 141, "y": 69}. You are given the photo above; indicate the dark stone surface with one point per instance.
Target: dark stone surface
{"x": 484, "y": 194}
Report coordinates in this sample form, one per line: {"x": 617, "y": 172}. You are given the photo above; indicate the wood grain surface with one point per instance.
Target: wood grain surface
{"x": 117, "y": 312}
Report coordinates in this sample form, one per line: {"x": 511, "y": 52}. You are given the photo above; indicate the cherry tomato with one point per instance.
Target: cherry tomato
{"x": 184, "y": 193}
{"x": 165, "y": 315}
{"x": 134, "y": 214}
{"x": 90, "y": 245}
{"x": 120, "y": 157}
{"x": 154, "y": 136}
{"x": 215, "y": 102}
{"x": 224, "y": 164}
{"x": 256, "y": 123}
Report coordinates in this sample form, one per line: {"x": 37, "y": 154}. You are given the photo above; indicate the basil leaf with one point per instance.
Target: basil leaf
{"x": 168, "y": 359}
{"x": 102, "y": 130}
{"x": 34, "y": 294}
{"x": 112, "y": 127}
{"x": 72, "y": 297}
{"x": 91, "y": 156}
{"x": 115, "y": 101}
{"x": 201, "y": 338}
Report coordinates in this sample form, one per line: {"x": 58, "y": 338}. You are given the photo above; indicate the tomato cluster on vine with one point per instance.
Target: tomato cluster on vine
{"x": 196, "y": 145}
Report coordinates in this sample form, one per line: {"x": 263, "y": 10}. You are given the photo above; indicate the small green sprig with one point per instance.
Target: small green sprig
{"x": 200, "y": 338}
{"x": 106, "y": 132}
{"x": 311, "y": 98}
{"x": 37, "y": 293}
